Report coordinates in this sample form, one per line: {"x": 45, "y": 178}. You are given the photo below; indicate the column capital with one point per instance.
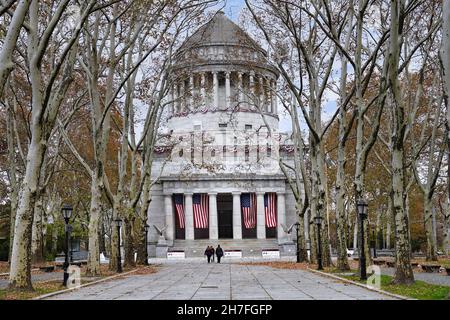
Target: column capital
{"x": 227, "y": 74}
{"x": 281, "y": 193}
{"x": 188, "y": 194}
{"x": 260, "y": 193}
{"x": 252, "y": 73}
{"x": 236, "y": 193}
{"x": 212, "y": 194}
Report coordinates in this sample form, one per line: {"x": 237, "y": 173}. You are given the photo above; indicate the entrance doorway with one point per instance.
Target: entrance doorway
{"x": 225, "y": 215}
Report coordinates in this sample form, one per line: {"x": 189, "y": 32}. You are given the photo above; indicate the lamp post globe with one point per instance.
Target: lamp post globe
{"x": 146, "y": 227}
{"x": 362, "y": 207}
{"x": 318, "y": 222}
{"x": 66, "y": 211}
{"x": 118, "y": 222}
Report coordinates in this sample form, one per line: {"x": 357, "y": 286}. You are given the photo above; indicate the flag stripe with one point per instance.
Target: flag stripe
{"x": 248, "y": 205}
{"x": 179, "y": 208}
{"x": 270, "y": 209}
{"x": 200, "y": 205}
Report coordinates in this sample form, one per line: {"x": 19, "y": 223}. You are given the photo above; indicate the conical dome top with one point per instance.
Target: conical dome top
{"x": 220, "y": 30}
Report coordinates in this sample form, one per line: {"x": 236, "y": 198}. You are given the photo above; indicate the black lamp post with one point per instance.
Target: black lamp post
{"x": 318, "y": 222}
{"x": 146, "y": 226}
{"x": 297, "y": 226}
{"x": 67, "y": 213}
{"x": 374, "y": 243}
{"x": 118, "y": 222}
{"x": 362, "y": 212}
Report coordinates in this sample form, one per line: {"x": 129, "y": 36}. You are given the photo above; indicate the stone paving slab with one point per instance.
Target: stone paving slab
{"x": 201, "y": 281}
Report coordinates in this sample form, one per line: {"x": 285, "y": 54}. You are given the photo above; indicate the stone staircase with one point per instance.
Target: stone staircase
{"x": 249, "y": 247}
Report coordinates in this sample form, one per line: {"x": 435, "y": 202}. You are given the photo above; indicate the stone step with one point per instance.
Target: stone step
{"x": 248, "y": 247}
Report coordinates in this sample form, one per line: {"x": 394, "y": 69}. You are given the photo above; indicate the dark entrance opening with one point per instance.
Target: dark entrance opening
{"x": 271, "y": 232}
{"x": 225, "y": 215}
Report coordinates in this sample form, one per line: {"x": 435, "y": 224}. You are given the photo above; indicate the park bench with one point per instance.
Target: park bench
{"x": 447, "y": 269}
{"x": 431, "y": 267}
{"x": 47, "y": 268}
{"x": 390, "y": 263}
{"x": 379, "y": 262}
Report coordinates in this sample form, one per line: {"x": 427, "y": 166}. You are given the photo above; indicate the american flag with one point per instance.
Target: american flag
{"x": 248, "y": 204}
{"x": 200, "y": 204}
{"x": 179, "y": 206}
{"x": 270, "y": 209}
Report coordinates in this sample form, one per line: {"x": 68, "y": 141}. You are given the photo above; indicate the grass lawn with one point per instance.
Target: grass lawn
{"x": 40, "y": 288}
{"x": 419, "y": 290}
{"x": 44, "y": 287}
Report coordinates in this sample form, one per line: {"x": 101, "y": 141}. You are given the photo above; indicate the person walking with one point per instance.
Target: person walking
{"x": 208, "y": 253}
{"x": 219, "y": 253}
{"x": 212, "y": 253}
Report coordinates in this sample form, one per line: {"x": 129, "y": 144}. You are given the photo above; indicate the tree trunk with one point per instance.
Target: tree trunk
{"x": 129, "y": 260}
{"x": 20, "y": 274}
{"x": 141, "y": 246}
{"x": 93, "y": 263}
{"x": 13, "y": 177}
{"x": 403, "y": 273}
{"x": 428, "y": 218}
{"x": 36, "y": 244}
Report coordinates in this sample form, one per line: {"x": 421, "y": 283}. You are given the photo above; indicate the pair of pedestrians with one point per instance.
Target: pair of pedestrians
{"x": 209, "y": 252}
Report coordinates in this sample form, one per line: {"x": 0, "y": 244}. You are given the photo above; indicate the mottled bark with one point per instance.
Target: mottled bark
{"x": 93, "y": 263}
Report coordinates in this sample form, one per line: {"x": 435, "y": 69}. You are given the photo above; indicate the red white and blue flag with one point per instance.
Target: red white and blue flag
{"x": 200, "y": 204}
{"x": 248, "y": 204}
{"x": 270, "y": 209}
{"x": 179, "y": 208}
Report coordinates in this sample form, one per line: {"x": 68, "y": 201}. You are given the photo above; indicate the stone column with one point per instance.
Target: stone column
{"x": 237, "y": 223}
{"x": 269, "y": 95}
{"x": 202, "y": 88}
{"x": 191, "y": 91}
{"x": 227, "y": 90}
{"x": 240, "y": 88}
{"x": 176, "y": 103}
{"x": 169, "y": 218}
{"x": 261, "y": 94}
{"x": 189, "y": 216}
{"x": 182, "y": 96}
{"x": 281, "y": 216}
{"x": 252, "y": 83}
{"x": 260, "y": 216}
{"x": 274, "y": 97}
{"x": 213, "y": 225}
{"x": 216, "y": 90}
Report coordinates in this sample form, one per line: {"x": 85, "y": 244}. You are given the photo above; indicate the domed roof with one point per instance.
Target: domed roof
{"x": 220, "y": 31}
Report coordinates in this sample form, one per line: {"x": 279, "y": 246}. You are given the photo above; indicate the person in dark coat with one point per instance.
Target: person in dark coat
{"x": 212, "y": 253}
{"x": 219, "y": 253}
{"x": 209, "y": 252}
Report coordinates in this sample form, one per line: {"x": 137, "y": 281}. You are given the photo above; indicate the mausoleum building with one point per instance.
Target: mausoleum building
{"x": 219, "y": 180}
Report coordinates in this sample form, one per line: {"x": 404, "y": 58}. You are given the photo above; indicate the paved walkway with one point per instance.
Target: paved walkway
{"x": 198, "y": 281}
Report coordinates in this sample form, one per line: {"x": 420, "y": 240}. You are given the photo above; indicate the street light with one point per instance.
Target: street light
{"x": 297, "y": 226}
{"x": 118, "y": 222}
{"x": 318, "y": 222}
{"x": 67, "y": 213}
{"x": 374, "y": 242}
{"x": 362, "y": 212}
{"x": 146, "y": 226}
